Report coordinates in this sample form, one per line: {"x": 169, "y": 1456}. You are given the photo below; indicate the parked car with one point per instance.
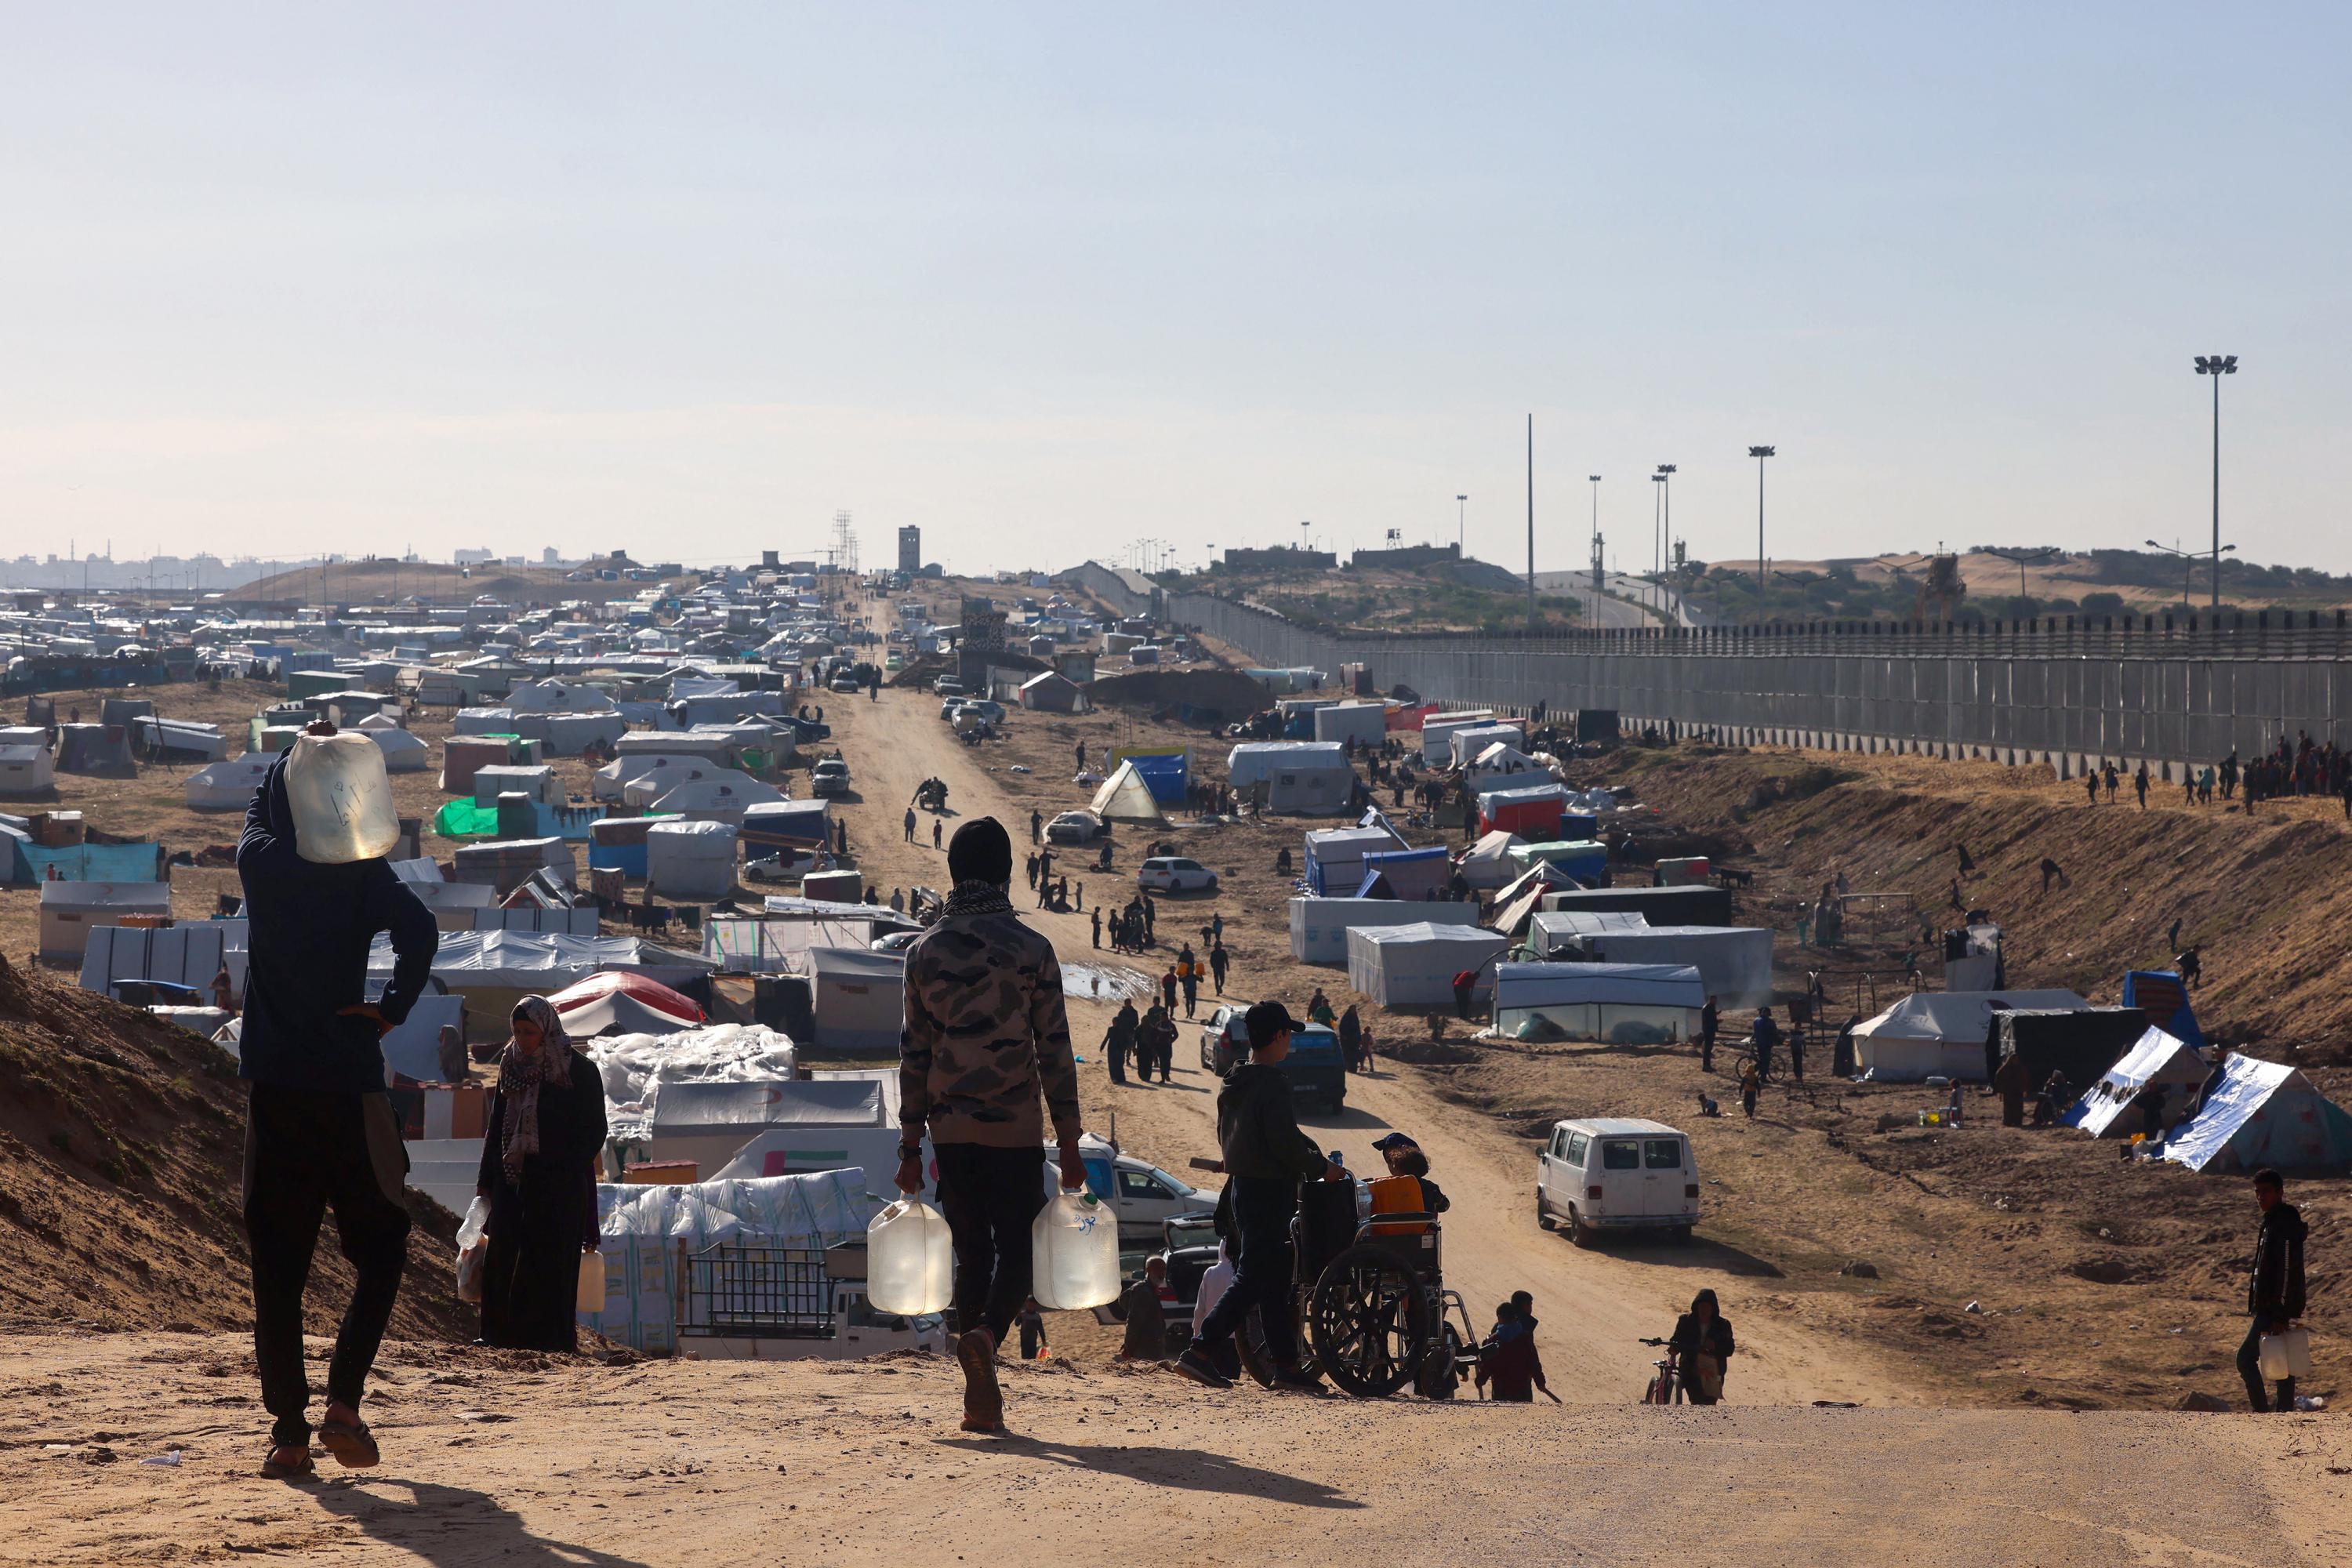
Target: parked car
{"x": 1144, "y": 1196}
{"x": 897, "y": 941}
{"x": 847, "y": 681}
{"x": 1175, "y": 874}
{"x": 786, "y": 866}
{"x": 829, "y": 778}
{"x": 1317, "y": 1073}
{"x": 1075, "y": 828}
{"x": 1616, "y": 1174}
{"x": 947, "y": 686}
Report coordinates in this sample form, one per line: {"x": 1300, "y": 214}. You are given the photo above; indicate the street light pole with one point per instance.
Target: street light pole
{"x": 1461, "y": 511}
{"x": 1759, "y": 454}
{"x": 2217, "y": 366}
{"x": 1666, "y": 527}
{"x": 1657, "y": 530}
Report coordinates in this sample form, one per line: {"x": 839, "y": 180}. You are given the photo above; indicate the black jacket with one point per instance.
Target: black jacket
{"x": 1258, "y": 1130}
{"x": 2276, "y": 1287}
{"x": 310, "y": 930}
{"x": 1716, "y": 1341}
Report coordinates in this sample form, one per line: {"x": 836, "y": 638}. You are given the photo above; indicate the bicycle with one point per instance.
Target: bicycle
{"x": 1666, "y": 1387}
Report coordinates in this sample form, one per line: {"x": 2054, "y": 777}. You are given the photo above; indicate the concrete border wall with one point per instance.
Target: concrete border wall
{"x": 2172, "y": 693}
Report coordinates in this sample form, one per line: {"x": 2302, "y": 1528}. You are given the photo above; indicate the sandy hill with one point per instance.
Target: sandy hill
{"x": 121, "y": 1143}
{"x": 369, "y": 582}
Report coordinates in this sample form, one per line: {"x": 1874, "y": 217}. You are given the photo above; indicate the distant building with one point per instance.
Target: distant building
{"x": 1280, "y": 558}
{"x": 1409, "y": 556}
{"x": 473, "y": 557}
{"x": 910, "y": 549}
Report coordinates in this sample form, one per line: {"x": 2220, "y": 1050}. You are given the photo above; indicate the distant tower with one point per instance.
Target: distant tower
{"x": 911, "y": 550}
{"x": 844, "y": 544}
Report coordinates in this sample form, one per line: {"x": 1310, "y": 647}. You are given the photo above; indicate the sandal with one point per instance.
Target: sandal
{"x": 351, "y": 1444}
{"x": 275, "y": 1469}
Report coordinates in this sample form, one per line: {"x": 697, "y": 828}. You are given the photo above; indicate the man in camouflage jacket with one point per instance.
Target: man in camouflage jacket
{"x": 986, "y": 1039}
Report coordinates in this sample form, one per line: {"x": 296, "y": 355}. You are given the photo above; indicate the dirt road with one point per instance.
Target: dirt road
{"x": 1593, "y": 1306}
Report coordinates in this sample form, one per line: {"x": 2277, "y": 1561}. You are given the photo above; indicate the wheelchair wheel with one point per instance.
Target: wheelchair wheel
{"x": 1370, "y": 1321}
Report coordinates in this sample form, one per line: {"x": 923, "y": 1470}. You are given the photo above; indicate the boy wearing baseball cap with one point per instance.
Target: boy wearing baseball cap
{"x": 1265, "y": 1158}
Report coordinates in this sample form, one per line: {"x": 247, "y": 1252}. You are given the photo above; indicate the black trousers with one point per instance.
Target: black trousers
{"x": 306, "y": 1152}
{"x": 2250, "y": 1367}
{"x": 989, "y": 1197}
{"x": 1262, "y": 1208}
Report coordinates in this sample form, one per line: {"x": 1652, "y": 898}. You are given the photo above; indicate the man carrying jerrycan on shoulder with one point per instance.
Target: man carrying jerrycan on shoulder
{"x": 986, "y": 1037}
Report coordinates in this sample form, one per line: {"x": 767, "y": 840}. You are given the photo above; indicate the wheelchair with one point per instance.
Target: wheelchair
{"x": 1370, "y": 1295}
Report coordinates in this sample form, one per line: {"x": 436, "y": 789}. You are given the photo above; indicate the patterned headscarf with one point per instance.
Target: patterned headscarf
{"x": 520, "y": 1075}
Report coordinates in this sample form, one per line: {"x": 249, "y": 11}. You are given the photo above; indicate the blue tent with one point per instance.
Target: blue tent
{"x": 1165, "y": 773}
{"x": 1409, "y": 873}
{"x": 2160, "y": 993}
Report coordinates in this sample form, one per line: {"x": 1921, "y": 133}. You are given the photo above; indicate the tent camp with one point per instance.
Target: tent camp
{"x": 1938, "y": 1034}
{"x": 2158, "y": 1065}
{"x": 25, "y": 768}
{"x": 1335, "y": 858}
{"x": 1623, "y": 1004}
{"x": 705, "y": 795}
{"x": 858, "y": 997}
{"x": 1734, "y": 961}
{"x": 96, "y": 750}
{"x": 403, "y": 751}
{"x": 69, "y": 910}
{"x": 691, "y": 860}
{"x": 1126, "y": 796}
{"x": 228, "y": 785}
{"x": 1320, "y": 927}
{"x": 2263, "y": 1114}
{"x": 1413, "y": 965}
{"x": 1307, "y": 778}
{"x": 1531, "y": 811}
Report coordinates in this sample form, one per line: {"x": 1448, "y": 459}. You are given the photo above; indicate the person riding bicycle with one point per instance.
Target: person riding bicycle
{"x": 1702, "y": 1341}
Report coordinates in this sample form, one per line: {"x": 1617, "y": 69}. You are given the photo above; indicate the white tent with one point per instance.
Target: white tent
{"x": 619, "y": 1013}
{"x": 635, "y": 1067}
{"x": 1463, "y": 746}
{"x": 857, "y": 998}
{"x": 551, "y": 696}
{"x": 713, "y": 1122}
{"x": 608, "y": 782}
{"x": 1437, "y": 733}
{"x": 228, "y": 784}
{"x": 1320, "y": 927}
{"x": 1125, "y": 797}
{"x": 403, "y": 753}
{"x": 1941, "y": 1034}
{"x": 1335, "y": 857}
{"x": 1486, "y": 865}
{"x": 539, "y": 783}
{"x": 1365, "y": 724}
{"x": 26, "y": 768}
{"x": 1734, "y": 961}
{"x": 1308, "y": 777}
{"x": 69, "y": 910}
{"x": 1500, "y": 762}
{"x": 1623, "y": 1004}
{"x": 2263, "y": 1114}
{"x": 2156, "y": 1060}
{"x": 1553, "y": 929}
{"x": 691, "y": 860}
{"x": 541, "y": 963}
{"x": 705, "y": 795}
{"x": 1414, "y": 965}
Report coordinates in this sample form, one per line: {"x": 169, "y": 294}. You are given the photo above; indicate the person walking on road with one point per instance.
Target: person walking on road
{"x": 1710, "y": 1020}
{"x": 1158, "y": 1034}
{"x": 910, "y": 824}
{"x": 1098, "y": 923}
{"x": 2139, "y": 785}
{"x": 2274, "y": 1295}
{"x": 1168, "y": 989}
{"x": 320, "y": 1131}
{"x": 1763, "y": 1036}
{"x": 1508, "y": 1367}
{"x": 1266, "y": 1156}
{"x": 1118, "y": 1042}
{"x": 2091, "y": 786}
{"x": 1218, "y": 962}
{"x": 1036, "y": 825}
{"x": 987, "y": 1038}
{"x": 1190, "y": 979}
{"x": 935, "y": 833}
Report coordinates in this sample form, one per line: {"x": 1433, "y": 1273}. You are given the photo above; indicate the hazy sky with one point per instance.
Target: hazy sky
{"x": 1044, "y": 280}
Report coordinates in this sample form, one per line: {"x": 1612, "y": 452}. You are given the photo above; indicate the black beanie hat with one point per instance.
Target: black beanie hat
{"x": 982, "y": 851}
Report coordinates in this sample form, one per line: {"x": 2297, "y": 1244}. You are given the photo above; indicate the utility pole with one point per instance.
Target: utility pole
{"x": 1596, "y": 534}
{"x": 1461, "y": 512}
{"x": 2217, "y": 366}
{"x": 1666, "y": 527}
{"x": 1531, "y": 524}
{"x": 1759, "y": 454}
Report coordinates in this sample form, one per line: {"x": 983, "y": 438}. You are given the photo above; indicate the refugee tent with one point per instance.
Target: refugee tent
{"x": 619, "y": 1011}
{"x": 189, "y": 954}
{"x": 483, "y": 721}
{"x": 2157, "y": 1065}
{"x": 1437, "y": 733}
{"x": 1734, "y": 961}
{"x": 71, "y": 909}
{"x": 552, "y": 696}
{"x": 1501, "y": 764}
{"x": 1053, "y": 692}
{"x": 1464, "y": 746}
{"x": 1554, "y": 928}
{"x": 96, "y": 750}
{"x": 1623, "y": 1004}
{"x": 2263, "y": 1114}
{"x": 1411, "y": 875}
{"x": 778, "y": 941}
{"x": 785, "y": 825}
{"x": 569, "y": 734}
{"x": 1126, "y": 796}
{"x": 1414, "y": 965}
{"x": 1334, "y": 857}
{"x": 704, "y": 795}
{"x": 715, "y": 1122}
{"x": 403, "y": 753}
{"x": 177, "y": 739}
{"x": 496, "y": 969}
{"x": 1363, "y": 723}
{"x": 124, "y": 709}
{"x": 1938, "y": 1034}
{"x": 2024, "y": 1046}
{"x": 1585, "y": 860}
{"x": 1526, "y": 894}
{"x": 635, "y": 1068}
{"x": 1320, "y": 927}
{"x": 1167, "y": 770}
{"x": 499, "y": 778}
{"x": 691, "y": 860}
{"x": 1528, "y": 810}
{"x": 858, "y": 997}
{"x": 608, "y": 782}
{"x": 25, "y": 768}
{"x": 1693, "y": 906}
{"x": 463, "y": 755}
{"x": 1303, "y": 777}
{"x": 2160, "y": 993}
{"x": 1486, "y": 865}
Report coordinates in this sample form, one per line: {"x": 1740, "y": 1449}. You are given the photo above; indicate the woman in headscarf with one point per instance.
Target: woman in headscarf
{"x": 539, "y": 1146}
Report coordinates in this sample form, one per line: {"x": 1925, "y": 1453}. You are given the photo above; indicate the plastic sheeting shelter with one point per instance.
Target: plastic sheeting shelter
{"x": 779, "y": 941}
{"x": 2156, "y": 1061}
{"x": 2160, "y": 993}
{"x": 1414, "y": 965}
{"x": 493, "y": 781}
{"x": 712, "y": 1121}
{"x": 26, "y": 769}
{"x": 1734, "y": 962}
{"x": 708, "y": 794}
{"x": 1584, "y": 859}
{"x": 1126, "y": 796}
{"x": 1464, "y": 746}
{"x": 692, "y": 861}
{"x": 1166, "y": 770}
{"x": 1320, "y": 927}
{"x": 1691, "y": 906}
{"x": 785, "y": 825}
{"x": 1363, "y": 723}
{"x": 858, "y": 997}
{"x": 95, "y": 751}
{"x": 1504, "y": 765}
{"x": 1411, "y": 875}
{"x": 177, "y": 739}
{"x": 1437, "y": 733}
{"x": 2081, "y": 1042}
{"x": 1531, "y": 811}
{"x": 1939, "y": 1034}
{"x": 69, "y": 910}
{"x": 2263, "y": 1114}
{"x": 228, "y": 785}
{"x": 1487, "y": 865}
{"x": 1622, "y": 1003}
{"x": 403, "y": 753}
{"x": 1335, "y": 858}
{"x": 1306, "y": 778}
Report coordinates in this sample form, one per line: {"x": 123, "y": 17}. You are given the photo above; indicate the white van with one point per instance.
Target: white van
{"x": 1616, "y": 1172}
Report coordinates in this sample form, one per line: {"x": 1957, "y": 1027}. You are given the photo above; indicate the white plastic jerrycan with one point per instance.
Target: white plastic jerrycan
{"x": 340, "y": 798}
{"x": 1077, "y": 1253}
{"x": 909, "y": 1262}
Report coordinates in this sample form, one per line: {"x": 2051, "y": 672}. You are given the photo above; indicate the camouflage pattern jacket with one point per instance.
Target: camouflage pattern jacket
{"x": 985, "y": 1031}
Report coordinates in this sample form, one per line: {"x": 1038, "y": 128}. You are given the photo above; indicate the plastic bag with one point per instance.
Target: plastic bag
{"x": 473, "y": 1251}
{"x": 590, "y": 1297}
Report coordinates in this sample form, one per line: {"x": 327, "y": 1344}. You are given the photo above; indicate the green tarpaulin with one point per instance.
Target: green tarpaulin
{"x": 463, "y": 819}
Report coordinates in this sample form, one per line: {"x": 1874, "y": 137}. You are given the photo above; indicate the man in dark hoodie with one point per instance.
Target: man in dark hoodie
{"x": 319, "y": 1126}
{"x": 2274, "y": 1294}
{"x": 1265, "y": 1158}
